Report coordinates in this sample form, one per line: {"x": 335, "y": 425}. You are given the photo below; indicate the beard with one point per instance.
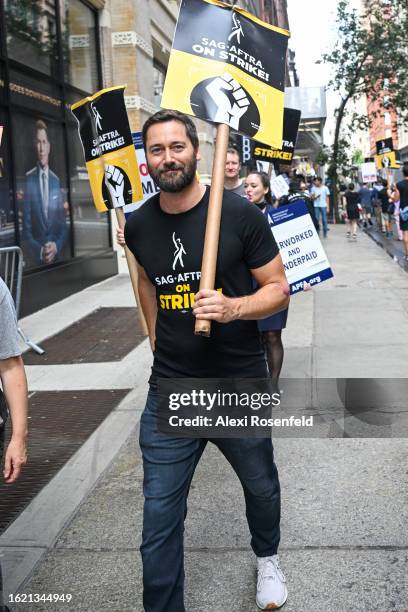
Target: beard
{"x": 177, "y": 181}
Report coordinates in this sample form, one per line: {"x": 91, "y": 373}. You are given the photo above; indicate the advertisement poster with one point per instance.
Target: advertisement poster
{"x": 233, "y": 68}
{"x": 108, "y": 148}
{"x": 42, "y": 193}
{"x": 302, "y": 252}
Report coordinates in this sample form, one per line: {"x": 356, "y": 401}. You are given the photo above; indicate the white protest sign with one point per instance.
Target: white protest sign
{"x": 369, "y": 172}
{"x": 279, "y": 186}
{"x": 302, "y": 253}
{"x": 148, "y": 185}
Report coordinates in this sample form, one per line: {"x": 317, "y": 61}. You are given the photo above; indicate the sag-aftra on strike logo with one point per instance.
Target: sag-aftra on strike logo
{"x": 179, "y": 252}
{"x": 224, "y": 100}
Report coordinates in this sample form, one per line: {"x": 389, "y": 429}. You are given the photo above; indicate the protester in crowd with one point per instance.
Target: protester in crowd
{"x": 385, "y": 197}
{"x": 13, "y": 395}
{"x": 177, "y": 215}
{"x": 377, "y": 186}
{"x": 258, "y": 192}
{"x": 366, "y": 199}
{"x": 401, "y": 194}
{"x": 232, "y": 182}
{"x": 298, "y": 191}
{"x": 352, "y": 210}
{"x": 320, "y": 196}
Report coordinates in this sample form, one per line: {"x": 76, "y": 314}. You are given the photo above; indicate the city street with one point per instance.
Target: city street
{"x": 344, "y": 500}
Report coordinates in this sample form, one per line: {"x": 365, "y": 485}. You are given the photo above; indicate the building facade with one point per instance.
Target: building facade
{"x": 50, "y": 57}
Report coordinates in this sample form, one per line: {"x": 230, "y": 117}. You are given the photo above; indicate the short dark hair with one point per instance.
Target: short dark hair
{"x": 40, "y": 125}
{"x": 165, "y": 115}
{"x": 405, "y": 169}
{"x": 318, "y": 178}
{"x": 351, "y": 186}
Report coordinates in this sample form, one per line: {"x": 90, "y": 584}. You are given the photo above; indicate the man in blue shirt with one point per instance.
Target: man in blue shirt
{"x": 320, "y": 196}
{"x": 366, "y": 198}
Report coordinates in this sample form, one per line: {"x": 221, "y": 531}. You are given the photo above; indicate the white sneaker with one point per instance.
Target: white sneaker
{"x": 271, "y": 592}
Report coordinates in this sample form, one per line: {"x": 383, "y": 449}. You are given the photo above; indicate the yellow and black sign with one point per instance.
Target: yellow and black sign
{"x": 228, "y": 66}
{"x": 386, "y": 156}
{"x": 109, "y": 150}
{"x": 291, "y": 120}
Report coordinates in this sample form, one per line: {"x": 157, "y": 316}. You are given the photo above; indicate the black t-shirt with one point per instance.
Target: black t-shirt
{"x": 383, "y": 197}
{"x": 402, "y": 187}
{"x": 169, "y": 247}
{"x": 352, "y": 199}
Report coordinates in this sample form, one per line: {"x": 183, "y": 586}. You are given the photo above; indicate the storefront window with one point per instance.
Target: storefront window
{"x": 44, "y": 218}
{"x": 79, "y": 48}
{"x": 7, "y": 233}
{"x": 159, "y": 75}
{"x": 31, "y": 34}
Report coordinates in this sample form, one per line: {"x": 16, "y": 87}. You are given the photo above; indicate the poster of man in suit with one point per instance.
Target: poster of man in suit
{"x": 45, "y": 229}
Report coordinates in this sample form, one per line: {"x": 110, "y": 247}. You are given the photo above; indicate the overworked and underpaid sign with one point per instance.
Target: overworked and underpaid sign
{"x": 302, "y": 253}
{"x": 108, "y": 148}
{"x": 227, "y": 66}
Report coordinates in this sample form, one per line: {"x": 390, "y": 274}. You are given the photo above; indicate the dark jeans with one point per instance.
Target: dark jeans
{"x": 321, "y": 214}
{"x": 169, "y": 465}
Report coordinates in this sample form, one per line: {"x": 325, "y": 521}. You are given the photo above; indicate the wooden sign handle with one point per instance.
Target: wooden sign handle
{"x": 131, "y": 262}
{"x": 212, "y": 229}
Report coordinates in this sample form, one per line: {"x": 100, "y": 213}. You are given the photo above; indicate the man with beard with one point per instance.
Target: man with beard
{"x": 166, "y": 236}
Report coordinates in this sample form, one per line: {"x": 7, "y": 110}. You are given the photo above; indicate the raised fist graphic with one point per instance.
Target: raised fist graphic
{"x": 115, "y": 182}
{"x": 232, "y": 105}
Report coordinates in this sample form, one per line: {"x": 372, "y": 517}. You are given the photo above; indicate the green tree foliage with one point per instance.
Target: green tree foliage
{"x": 370, "y": 51}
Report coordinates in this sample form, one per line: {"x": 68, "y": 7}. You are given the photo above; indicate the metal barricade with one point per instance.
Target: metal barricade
{"x": 11, "y": 271}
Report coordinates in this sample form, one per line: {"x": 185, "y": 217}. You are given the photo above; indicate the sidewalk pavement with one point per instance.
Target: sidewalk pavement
{"x": 344, "y": 501}
{"x": 393, "y": 246}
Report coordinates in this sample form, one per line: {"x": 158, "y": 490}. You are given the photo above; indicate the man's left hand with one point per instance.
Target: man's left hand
{"x": 214, "y": 306}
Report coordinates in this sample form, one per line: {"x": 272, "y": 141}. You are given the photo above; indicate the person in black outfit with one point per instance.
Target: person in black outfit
{"x": 353, "y": 211}
{"x": 297, "y": 191}
{"x": 384, "y": 197}
{"x": 166, "y": 236}
{"x": 258, "y": 191}
{"x": 402, "y": 196}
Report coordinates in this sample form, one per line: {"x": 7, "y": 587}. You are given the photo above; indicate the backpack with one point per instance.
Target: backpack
{"x": 404, "y": 213}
